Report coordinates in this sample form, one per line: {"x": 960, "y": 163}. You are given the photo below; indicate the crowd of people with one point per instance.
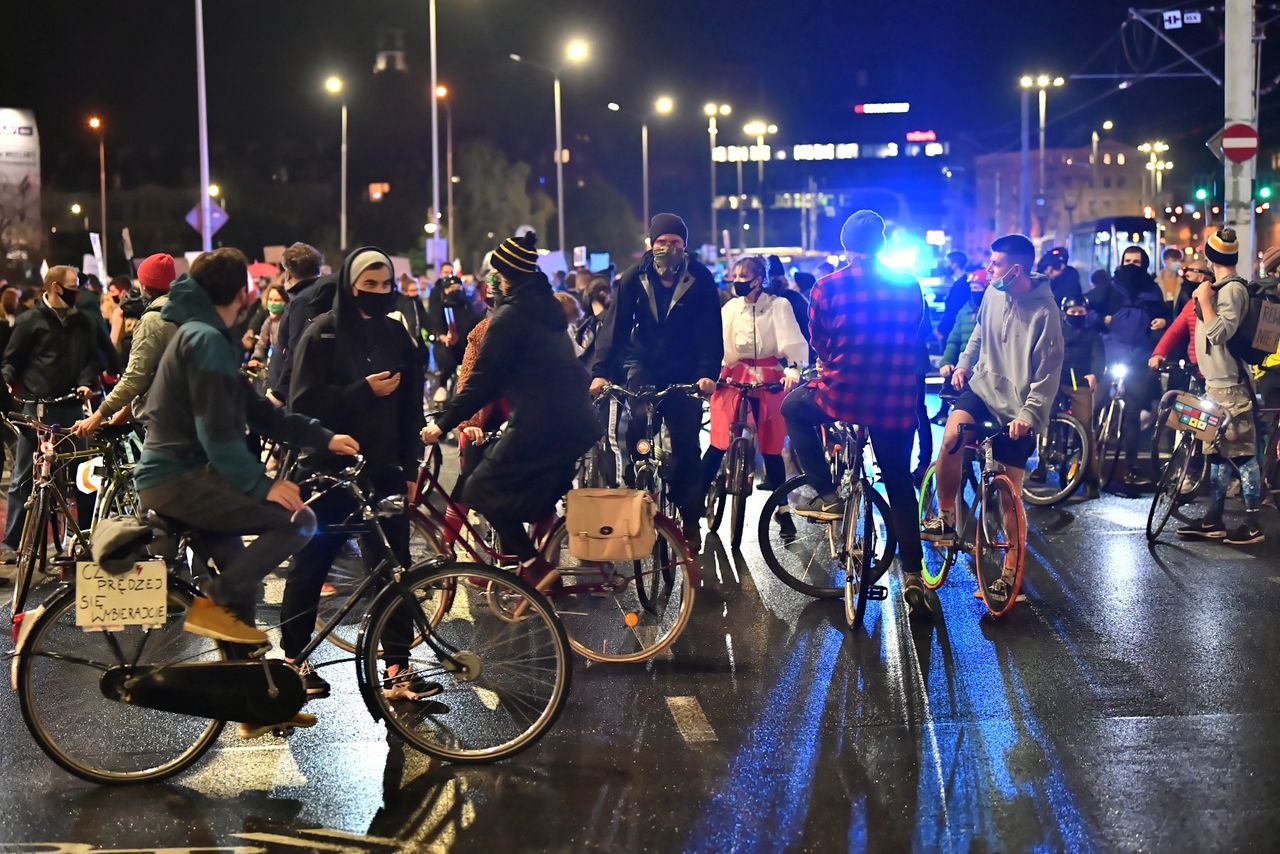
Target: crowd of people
{"x": 351, "y": 361}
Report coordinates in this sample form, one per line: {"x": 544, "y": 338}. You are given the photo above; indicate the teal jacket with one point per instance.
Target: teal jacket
{"x": 200, "y": 406}
{"x": 966, "y": 319}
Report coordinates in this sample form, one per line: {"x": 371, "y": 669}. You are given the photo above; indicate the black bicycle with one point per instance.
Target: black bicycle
{"x": 142, "y": 702}
{"x": 732, "y": 484}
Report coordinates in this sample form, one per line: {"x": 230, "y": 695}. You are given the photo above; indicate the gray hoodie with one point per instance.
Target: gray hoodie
{"x": 1014, "y": 355}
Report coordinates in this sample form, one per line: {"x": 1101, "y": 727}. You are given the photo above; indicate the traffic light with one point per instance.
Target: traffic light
{"x": 1201, "y": 194}
{"x": 1201, "y": 188}
{"x": 1263, "y": 187}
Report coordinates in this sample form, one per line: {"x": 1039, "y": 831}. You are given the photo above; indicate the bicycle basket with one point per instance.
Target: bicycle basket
{"x": 1191, "y": 414}
{"x": 610, "y": 524}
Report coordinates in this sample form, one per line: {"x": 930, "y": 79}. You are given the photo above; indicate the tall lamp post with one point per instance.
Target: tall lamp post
{"x": 758, "y": 129}
{"x": 334, "y": 87}
{"x": 712, "y": 111}
{"x": 1041, "y": 82}
{"x": 442, "y": 95}
{"x": 435, "y": 139}
{"x": 575, "y": 52}
{"x": 1156, "y": 165}
{"x": 95, "y": 124}
{"x": 1094, "y": 139}
{"x": 661, "y": 107}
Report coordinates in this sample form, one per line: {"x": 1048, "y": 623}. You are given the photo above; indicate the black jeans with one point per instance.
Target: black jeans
{"x": 924, "y": 430}
{"x": 683, "y": 417}
{"x": 893, "y": 453}
{"x": 1139, "y": 391}
{"x": 205, "y": 502}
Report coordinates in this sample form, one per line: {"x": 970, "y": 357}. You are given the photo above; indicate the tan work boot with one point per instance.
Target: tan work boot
{"x": 301, "y": 719}
{"x": 211, "y": 620}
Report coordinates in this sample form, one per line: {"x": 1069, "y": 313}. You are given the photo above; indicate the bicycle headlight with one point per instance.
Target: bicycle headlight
{"x": 1120, "y": 371}
{"x": 643, "y": 447}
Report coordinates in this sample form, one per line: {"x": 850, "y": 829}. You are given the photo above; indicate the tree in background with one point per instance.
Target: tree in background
{"x": 599, "y": 217}
{"x": 492, "y": 200}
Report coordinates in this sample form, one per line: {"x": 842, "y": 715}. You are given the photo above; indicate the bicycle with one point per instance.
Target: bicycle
{"x": 844, "y": 557}
{"x": 998, "y": 533}
{"x": 1061, "y": 458}
{"x": 1166, "y": 436}
{"x": 143, "y": 702}
{"x": 1110, "y": 425}
{"x": 738, "y": 467}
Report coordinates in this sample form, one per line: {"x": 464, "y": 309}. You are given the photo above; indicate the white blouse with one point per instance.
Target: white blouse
{"x": 765, "y": 329}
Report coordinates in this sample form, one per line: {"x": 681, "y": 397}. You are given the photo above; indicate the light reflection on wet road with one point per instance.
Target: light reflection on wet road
{"x": 1130, "y": 704}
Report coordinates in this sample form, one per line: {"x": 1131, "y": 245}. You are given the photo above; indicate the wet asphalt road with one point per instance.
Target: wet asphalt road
{"x": 1130, "y": 704}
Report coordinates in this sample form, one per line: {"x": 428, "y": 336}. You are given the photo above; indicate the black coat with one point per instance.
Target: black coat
{"x": 49, "y": 357}
{"x": 337, "y": 351}
{"x": 1083, "y": 353}
{"x": 526, "y": 358}
{"x": 683, "y": 347}
{"x": 1067, "y": 285}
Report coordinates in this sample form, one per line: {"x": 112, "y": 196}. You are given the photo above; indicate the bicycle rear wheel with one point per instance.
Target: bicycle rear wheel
{"x": 1001, "y": 545}
{"x": 104, "y": 741}
{"x": 502, "y": 684}
{"x": 624, "y": 611}
{"x": 1169, "y": 490}
{"x": 1062, "y": 456}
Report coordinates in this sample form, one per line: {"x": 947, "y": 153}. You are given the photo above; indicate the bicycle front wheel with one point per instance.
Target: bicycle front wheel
{"x": 497, "y": 684}
{"x": 1169, "y": 491}
{"x": 624, "y": 611}
{"x": 1001, "y": 545}
{"x": 60, "y": 670}
{"x": 33, "y": 548}
{"x": 1109, "y": 439}
{"x": 1059, "y": 467}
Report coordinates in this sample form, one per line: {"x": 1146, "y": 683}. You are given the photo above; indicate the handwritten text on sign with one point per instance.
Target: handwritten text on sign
{"x": 105, "y": 601}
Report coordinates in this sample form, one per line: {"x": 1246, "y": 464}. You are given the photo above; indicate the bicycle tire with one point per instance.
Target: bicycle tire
{"x": 33, "y": 547}
{"x": 1110, "y": 440}
{"x": 482, "y": 702}
{"x": 598, "y": 621}
{"x": 716, "y": 501}
{"x": 1066, "y": 442}
{"x": 96, "y": 719}
{"x": 860, "y": 553}
{"x": 741, "y": 475}
{"x": 814, "y": 552}
{"x": 937, "y": 560}
{"x": 998, "y": 537}
{"x": 1168, "y": 491}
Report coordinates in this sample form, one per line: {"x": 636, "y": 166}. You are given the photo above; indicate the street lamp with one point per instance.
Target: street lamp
{"x": 334, "y": 86}
{"x": 1041, "y": 82}
{"x": 661, "y": 106}
{"x": 713, "y": 110}
{"x": 1156, "y": 166}
{"x": 442, "y": 95}
{"x": 758, "y": 129}
{"x": 1093, "y": 157}
{"x": 575, "y": 52}
{"x": 95, "y": 124}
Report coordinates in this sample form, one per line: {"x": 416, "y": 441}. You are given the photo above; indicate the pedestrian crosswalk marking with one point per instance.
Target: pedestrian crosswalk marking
{"x": 690, "y": 719}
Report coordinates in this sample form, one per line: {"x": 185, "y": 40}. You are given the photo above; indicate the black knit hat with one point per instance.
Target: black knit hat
{"x": 668, "y": 223}
{"x": 516, "y": 258}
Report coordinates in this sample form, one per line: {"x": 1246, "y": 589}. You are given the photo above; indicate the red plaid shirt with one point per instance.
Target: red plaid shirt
{"x": 865, "y": 323}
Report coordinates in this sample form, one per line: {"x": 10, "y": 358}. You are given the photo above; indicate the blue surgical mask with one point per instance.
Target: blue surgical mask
{"x": 1003, "y": 283}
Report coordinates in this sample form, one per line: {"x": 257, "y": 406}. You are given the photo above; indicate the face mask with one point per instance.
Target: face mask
{"x": 1003, "y": 283}
{"x": 667, "y": 260}
{"x": 743, "y": 288}
{"x": 1077, "y": 321}
{"x": 275, "y": 308}
{"x": 976, "y": 297}
{"x": 374, "y": 304}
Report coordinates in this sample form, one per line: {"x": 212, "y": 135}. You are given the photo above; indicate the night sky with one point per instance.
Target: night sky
{"x": 797, "y": 63}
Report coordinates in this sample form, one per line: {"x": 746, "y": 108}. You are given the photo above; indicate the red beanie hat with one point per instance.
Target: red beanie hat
{"x": 157, "y": 272}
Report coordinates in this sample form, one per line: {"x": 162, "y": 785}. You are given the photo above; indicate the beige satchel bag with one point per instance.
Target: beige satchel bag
{"x": 610, "y": 524}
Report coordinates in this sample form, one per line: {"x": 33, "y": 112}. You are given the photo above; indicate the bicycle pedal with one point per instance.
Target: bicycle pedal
{"x": 877, "y": 592}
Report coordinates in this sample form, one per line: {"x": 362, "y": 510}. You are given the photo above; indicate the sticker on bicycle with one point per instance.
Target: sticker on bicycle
{"x": 89, "y": 475}
{"x": 106, "y": 602}
{"x": 1188, "y": 414}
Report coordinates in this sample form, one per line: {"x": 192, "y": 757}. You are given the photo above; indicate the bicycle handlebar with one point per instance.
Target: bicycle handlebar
{"x": 974, "y": 427}
{"x": 647, "y": 392}
{"x": 769, "y": 386}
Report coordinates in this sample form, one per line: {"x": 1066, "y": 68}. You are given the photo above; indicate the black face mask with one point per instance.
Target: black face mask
{"x": 976, "y": 297}
{"x": 1077, "y": 321}
{"x": 376, "y": 305}
{"x": 743, "y": 288}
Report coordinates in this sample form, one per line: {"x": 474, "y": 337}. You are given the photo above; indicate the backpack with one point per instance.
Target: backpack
{"x": 1258, "y": 335}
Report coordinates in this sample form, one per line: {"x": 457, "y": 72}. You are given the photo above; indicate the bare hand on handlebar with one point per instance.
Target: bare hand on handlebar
{"x": 1018, "y": 428}
{"x": 344, "y": 445}
{"x": 598, "y": 385}
{"x": 706, "y": 386}
{"x": 431, "y": 434}
{"x": 959, "y": 378}
{"x": 87, "y": 426}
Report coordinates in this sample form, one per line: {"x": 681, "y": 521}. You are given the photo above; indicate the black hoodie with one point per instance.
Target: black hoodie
{"x": 338, "y": 350}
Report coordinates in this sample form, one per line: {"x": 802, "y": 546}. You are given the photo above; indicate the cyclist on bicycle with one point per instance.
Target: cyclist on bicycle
{"x": 195, "y": 465}
{"x": 359, "y": 371}
{"x": 150, "y": 338}
{"x": 664, "y": 328}
{"x": 865, "y": 322}
{"x": 527, "y": 358}
{"x": 52, "y": 353}
{"x": 760, "y": 331}
{"x": 1221, "y": 305}
{"x": 1014, "y": 357}
{"x": 1084, "y": 360}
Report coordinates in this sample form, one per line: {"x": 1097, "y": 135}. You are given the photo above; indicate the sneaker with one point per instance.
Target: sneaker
{"x": 1245, "y": 535}
{"x": 786, "y": 526}
{"x": 7, "y": 554}
{"x": 916, "y": 596}
{"x": 316, "y": 687}
{"x": 1208, "y": 528}
{"x": 408, "y": 687}
{"x": 301, "y": 719}
{"x": 1038, "y": 475}
{"x": 327, "y": 590}
{"x": 1000, "y": 590}
{"x": 938, "y": 530}
{"x": 211, "y": 620}
{"x": 820, "y": 508}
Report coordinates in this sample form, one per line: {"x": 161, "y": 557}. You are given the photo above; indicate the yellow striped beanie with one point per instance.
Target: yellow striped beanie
{"x": 516, "y": 257}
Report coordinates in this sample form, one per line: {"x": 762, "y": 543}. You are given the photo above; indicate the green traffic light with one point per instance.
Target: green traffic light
{"x": 1264, "y": 192}
{"x": 1201, "y": 194}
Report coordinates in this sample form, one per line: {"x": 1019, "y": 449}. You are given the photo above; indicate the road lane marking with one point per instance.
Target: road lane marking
{"x": 690, "y": 719}
{"x": 291, "y": 841}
